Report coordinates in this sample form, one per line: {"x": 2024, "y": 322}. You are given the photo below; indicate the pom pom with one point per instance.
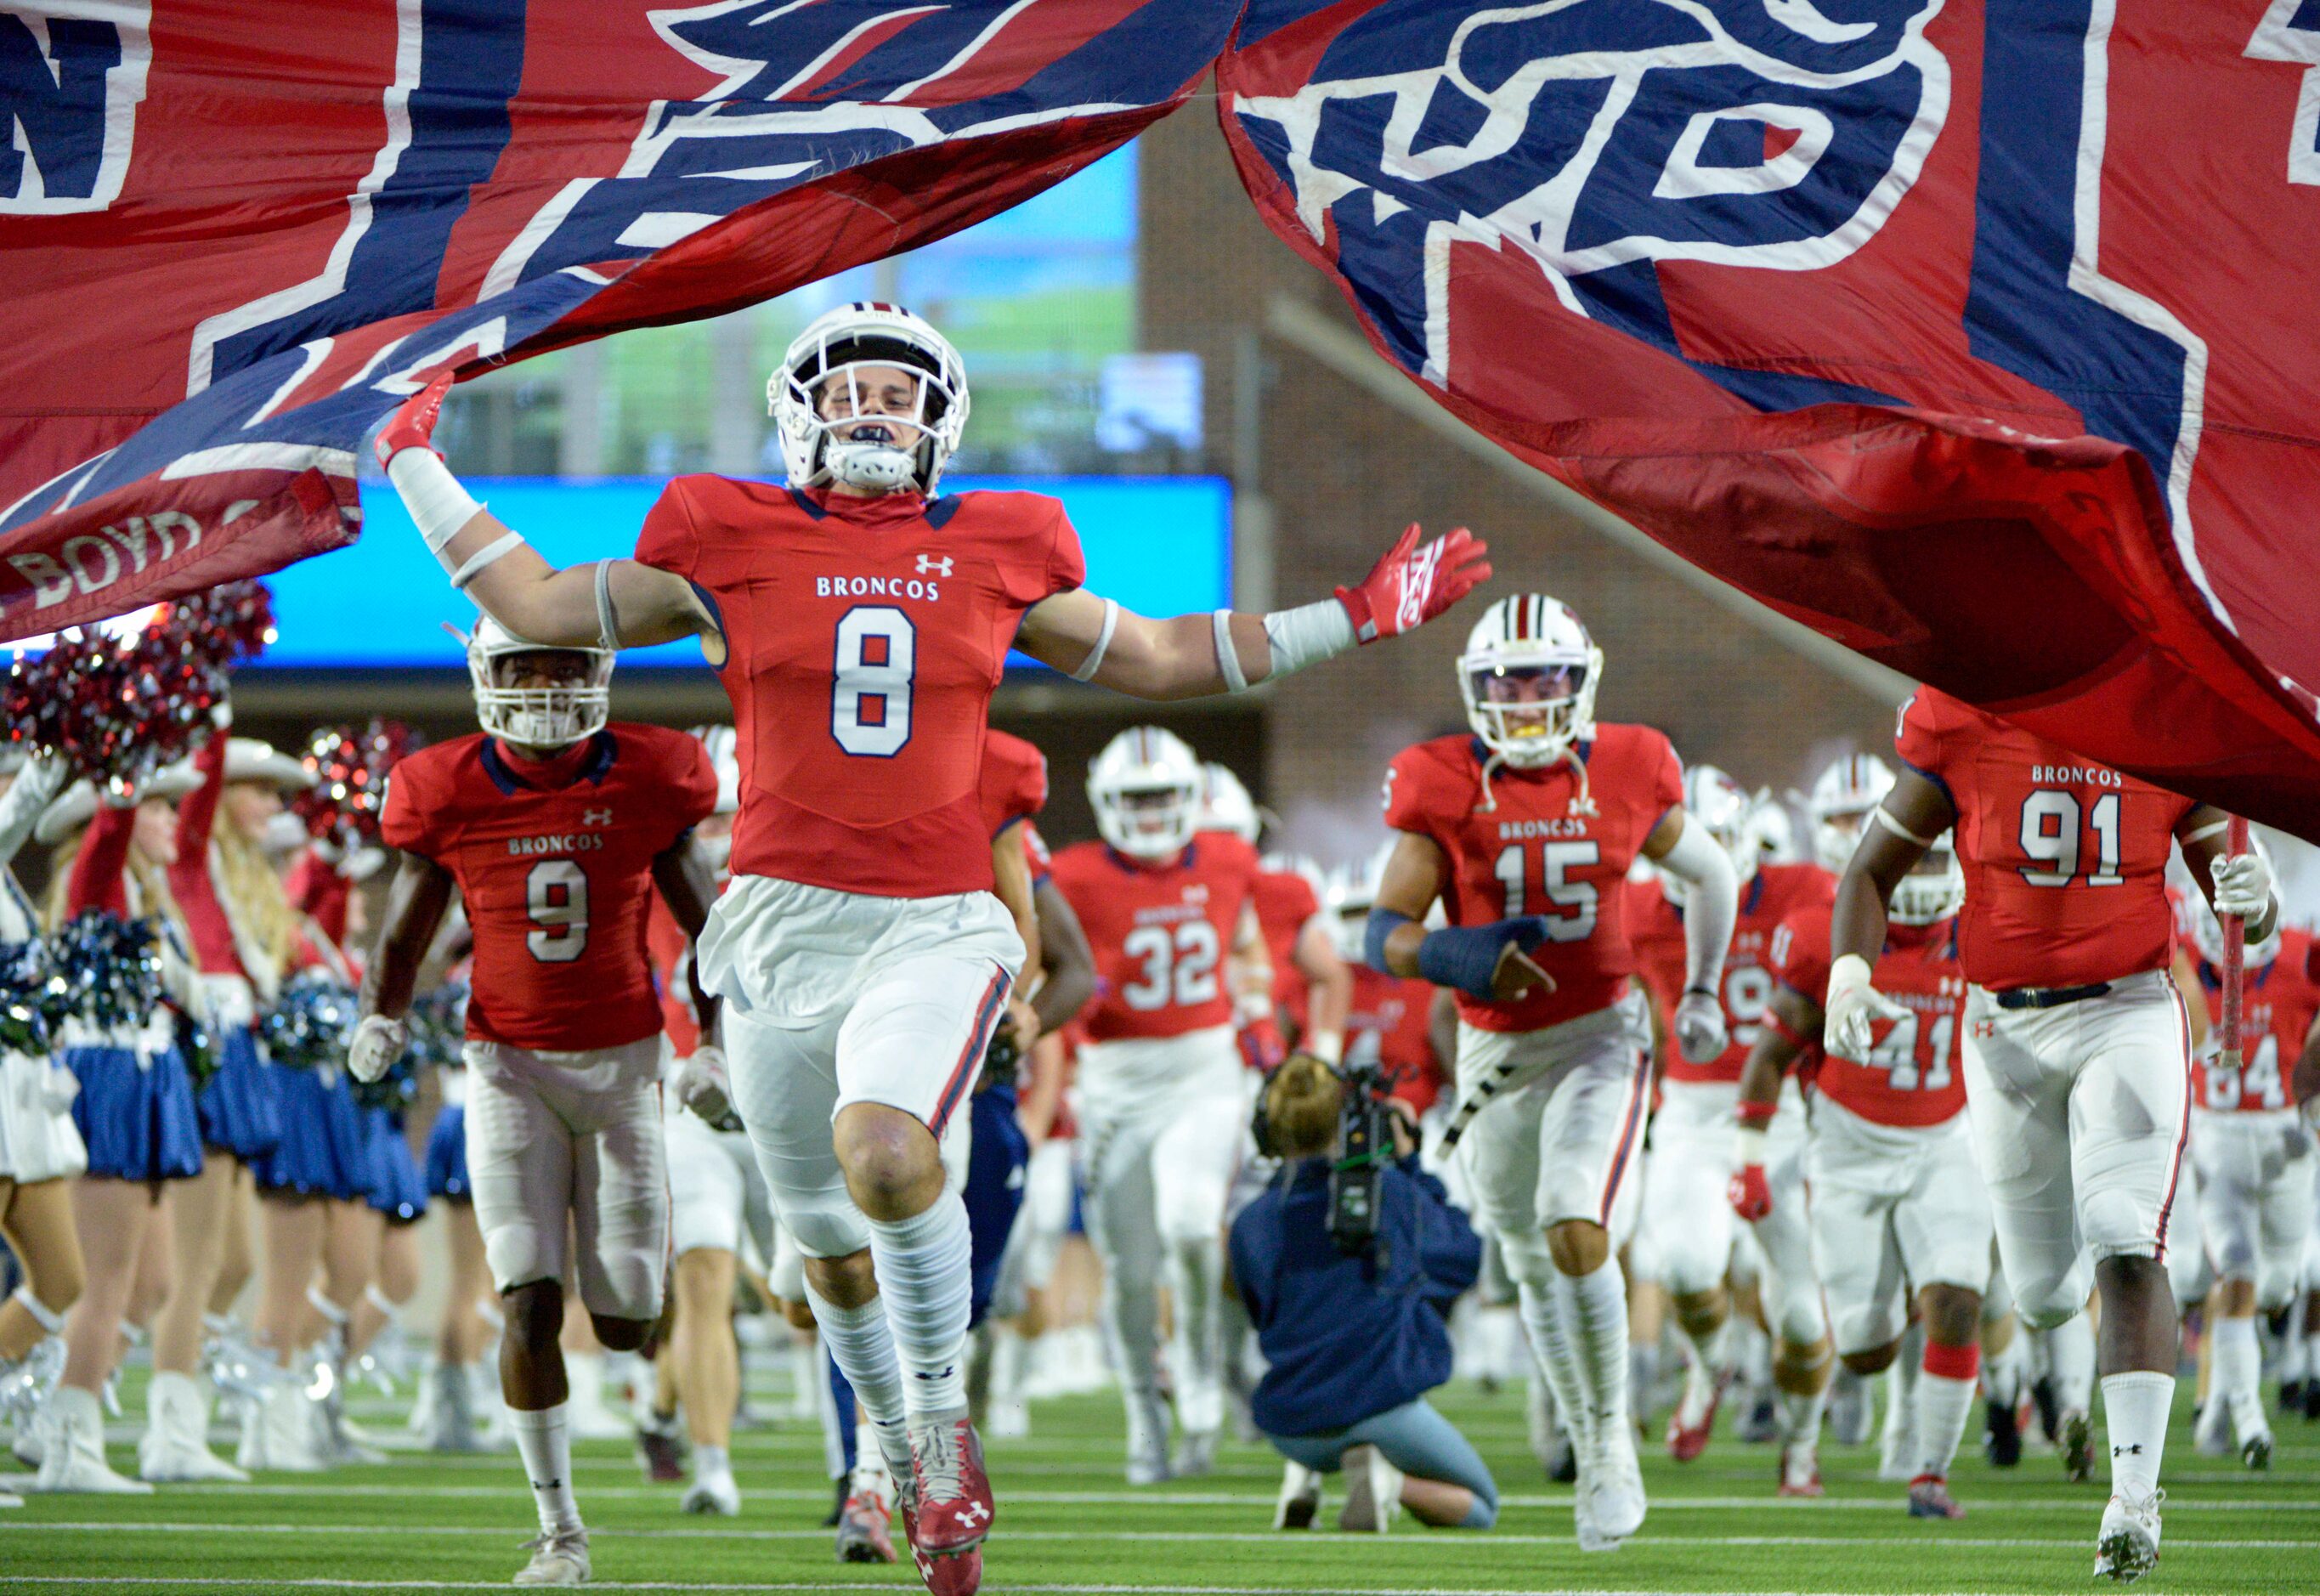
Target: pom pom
{"x": 438, "y": 1026}
{"x": 351, "y": 766}
{"x": 25, "y": 1001}
{"x": 309, "y": 1025}
{"x": 105, "y": 972}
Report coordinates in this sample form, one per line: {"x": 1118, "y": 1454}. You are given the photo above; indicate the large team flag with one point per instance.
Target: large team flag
{"x": 1980, "y": 335}
{"x": 240, "y": 231}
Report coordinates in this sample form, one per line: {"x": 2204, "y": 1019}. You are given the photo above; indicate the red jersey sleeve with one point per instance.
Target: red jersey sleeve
{"x": 1800, "y": 954}
{"x": 1014, "y": 782}
{"x": 692, "y": 778}
{"x": 668, "y": 541}
{"x": 1413, "y": 792}
{"x": 1667, "y": 777}
{"x": 1066, "y": 561}
{"x": 406, "y": 817}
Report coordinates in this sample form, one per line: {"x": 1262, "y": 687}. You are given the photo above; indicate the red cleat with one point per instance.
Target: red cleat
{"x": 948, "y": 1508}
{"x": 1687, "y": 1441}
{"x": 1799, "y": 1473}
{"x": 1929, "y": 1498}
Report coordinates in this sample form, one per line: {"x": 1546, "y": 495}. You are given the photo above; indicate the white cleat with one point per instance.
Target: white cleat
{"x": 557, "y": 1559}
{"x": 1611, "y": 1497}
{"x": 9, "y": 1499}
{"x": 1372, "y": 1492}
{"x": 714, "y": 1495}
{"x": 2128, "y": 1545}
{"x": 1300, "y": 1499}
{"x": 1196, "y": 1455}
{"x": 2212, "y": 1435}
{"x": 72, "y": 1450}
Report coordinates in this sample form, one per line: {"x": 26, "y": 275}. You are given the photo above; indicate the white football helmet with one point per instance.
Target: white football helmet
{"x": 1726, "y": 811}
{"x": 536, "y": 717}
{"x": 1350, "y": 893}
{"x": 1840, "y": 802}
{"x": 1776, "y": 833}
{"x": 1528, "y": 678}
{"x": 1146, "y": 788}
{"x": 1933, "y": 889}
{"x": 719, "y": 742}
{"x": 1226, "y": 805}
{"x": 911, "y": 449}
{"x": 2207, "y": 931}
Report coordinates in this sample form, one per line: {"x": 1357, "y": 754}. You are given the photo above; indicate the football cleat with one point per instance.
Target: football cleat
{"x": 957, "y": 1574}
{"x": 1372, "y": 1492}
{"x": 714, "y": 1496}
{"x": 1799, "y": 1471}
{"x": 2255, "y": 1452}
{"x": 1850, "y": 1415}
{"x": 1300, "y": 1499}
{"x": 864, "y": 1532}
{"x": 953, "y": 1506}
{"x": 2077, "y": 1443}
{"x": 557, "y": 1559}
{"x": 2128, "y": 1545}
{"x": 660, "y": 1449}
{"x": 1611, "y": 1503}
{"x": 1929, "y": 1498}
{"x": 1196, "y": 1455}
{"x": 2003, "y": 1443}
{"x": 1692, "y": 1422}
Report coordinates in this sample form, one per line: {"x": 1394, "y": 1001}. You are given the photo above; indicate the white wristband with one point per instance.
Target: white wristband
{"x": 1228, "y": 657}
{"x": 1327, "y": 1045}
{"x": 438, "y": 503}
{"x": 1308, "y": 634}
{"x": 1748, "y": 1145}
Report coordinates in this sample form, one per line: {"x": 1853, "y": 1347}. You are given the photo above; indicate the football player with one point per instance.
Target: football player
{"x": 860, "y": 624}
{"x": 1390, "y": 1022}
{"x": 2077, "y": 1044}
{"x": 2255, "y": 1168}
{"x": 555, "y": 826}
{"x": 1896, "y": 1199}
{"x": 1690, "y": 1159}
{"x": 1311, "y": 985}
{"x": 1161, "y": 1099}
{"x": 1525, "y": 830}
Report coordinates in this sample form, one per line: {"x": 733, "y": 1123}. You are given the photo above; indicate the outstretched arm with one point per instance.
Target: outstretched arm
{"x": 622, "y": 604}
{"x": 1195, "y": 655}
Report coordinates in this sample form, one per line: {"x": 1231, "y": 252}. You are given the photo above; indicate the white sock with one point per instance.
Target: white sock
{"x": 1551, "y": 1354}
{"x": 925, "y": 1278}
{"x": 2071, "y": 1357}
{"x": 1901, "y": 1388}
{"x": 2236, "y": 1374}
{"x": 1197, "y": 1280}
{"x": 863, "y": 1347}
{"x": 544, "y": 1443}
{"x": 1945, "y": 1396}
{"x": 1595, "y": 1312}
{"x": 1704, "y": 1356}
{"x": 2291, "y": 1353}
{"x": 1799, "y": 1416}
{"x": 708, "y": 1463}
{"x": 585, "y": 1377}
{"x": 2135, "y": 1411}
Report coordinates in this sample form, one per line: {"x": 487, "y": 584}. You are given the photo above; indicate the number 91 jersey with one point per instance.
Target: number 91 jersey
{"x": 1524, "y": 842}
{"x": 1160, "y": 936}
{"x": 864, "y": 638}
{"x": 557, "y": 881}
{"x": 2065, "y": 859}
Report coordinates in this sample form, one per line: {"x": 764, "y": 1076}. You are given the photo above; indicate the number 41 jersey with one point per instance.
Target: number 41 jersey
{"x": 864, "y": 640}
{"x": 558, "y": 880}
{"x": 1160, "y": 935}
{"x": 1525, "y": 842}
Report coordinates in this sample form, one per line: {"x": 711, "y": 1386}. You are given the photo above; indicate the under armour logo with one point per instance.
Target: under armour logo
{"x": 974, "y": 1512}
{"x": 2132, "y": 1447}
{"x": 1985, "y": 1028}
{"x": 928, "y": 564}
{"x": 595, "y": 817}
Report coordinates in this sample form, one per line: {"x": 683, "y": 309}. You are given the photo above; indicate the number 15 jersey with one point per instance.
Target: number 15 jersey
{"x": 864, "y": 640}
{"x": 556, "y": 880}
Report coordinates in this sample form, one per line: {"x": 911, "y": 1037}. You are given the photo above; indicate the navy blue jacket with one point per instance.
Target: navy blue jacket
{"x": 1348, "y": 1338}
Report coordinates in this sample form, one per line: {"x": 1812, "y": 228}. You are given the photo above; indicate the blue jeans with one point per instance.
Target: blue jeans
{"x": 1414, "y": 1439}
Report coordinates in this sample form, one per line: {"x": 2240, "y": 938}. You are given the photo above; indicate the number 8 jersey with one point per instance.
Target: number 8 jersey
{"x": 2065, "y": 859}
{"x": 1527, "y": 842}
{"x": 864, "y": 637}
{"x": 555, "y": 867}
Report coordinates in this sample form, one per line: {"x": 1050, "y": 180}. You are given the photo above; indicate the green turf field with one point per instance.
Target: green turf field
{"x": 1067, "y": 1522}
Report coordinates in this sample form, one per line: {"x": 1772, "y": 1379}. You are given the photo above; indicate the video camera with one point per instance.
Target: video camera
{"x": 1364, "y": 1150}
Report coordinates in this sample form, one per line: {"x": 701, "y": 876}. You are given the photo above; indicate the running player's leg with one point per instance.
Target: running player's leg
{"x": 2230, "y": 1176}
{"x": 2130, "y": 1118}
{"x": 1691, "y": 1226}
{"x": 708, "y": 1181}
{"x": 1943, "y": 1228}
{"x": 1193, "y": 1162}
{"x": 1803, "y": 1357}
{"x": 1123, "y": 1225}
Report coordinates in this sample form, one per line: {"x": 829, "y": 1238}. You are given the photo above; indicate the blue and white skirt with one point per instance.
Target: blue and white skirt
{"x": 447, "y": 1155}
{"x": 320, "y": 1152}
{"x": 135, "y": 1112}
{"x": 397, "y": 1190}
{"x": 238, "y": 1111}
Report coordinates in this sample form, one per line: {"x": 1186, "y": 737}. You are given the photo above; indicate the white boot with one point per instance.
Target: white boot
{"x": 280, "y": 1436}
{"x": 72, "y": 1448}
{"x": 177, "y": 1443}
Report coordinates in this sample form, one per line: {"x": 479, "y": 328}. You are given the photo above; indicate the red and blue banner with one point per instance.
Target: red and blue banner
{"x": 240, "y": 231}
{"x": 1978, "y": 336}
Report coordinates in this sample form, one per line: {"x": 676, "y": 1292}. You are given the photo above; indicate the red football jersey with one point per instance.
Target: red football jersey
{"x": 556, "y": 879}
{"x": 1388, "y": 1023}
{"x": 1773, "y": 894}
{"x": 2277, "y": 1005}
{"x": 1035, "y": 850}
{"x": 1160, "y": 935}
{"x": 666, "y": 944}
{"x": 865, "y": 638}
{"x": 2065, "y": 860}
{"x": 1526, "y": 848}
{"x": 1912, "y": 1075}
{"x": 1285, "y": 904}
{"x": 1014, "y": 782}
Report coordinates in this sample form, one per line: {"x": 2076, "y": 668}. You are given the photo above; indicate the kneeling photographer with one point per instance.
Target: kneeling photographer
{"x": 1348, "y": 1264}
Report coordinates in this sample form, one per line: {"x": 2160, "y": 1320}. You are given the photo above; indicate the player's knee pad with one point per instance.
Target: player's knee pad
{"x": 826, "y": 1226}
{"x": 2052, "y": 1300}
{"x": 1799, "y": 1317}
{"x": 2275, "y": 1279}
{"x": 1692, "y": 1256}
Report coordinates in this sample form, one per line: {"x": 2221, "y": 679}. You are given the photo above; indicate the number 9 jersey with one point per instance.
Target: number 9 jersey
{"x": 557, "y": 881}
{"x": 2065, "y": 859}
{"x": 864, "y": 640}
{"x": 1543, "y": 842}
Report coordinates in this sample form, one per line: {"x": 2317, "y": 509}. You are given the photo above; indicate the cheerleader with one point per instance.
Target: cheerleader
{"x": 134, "y": 1110}
{"x": 39, "y": 1148}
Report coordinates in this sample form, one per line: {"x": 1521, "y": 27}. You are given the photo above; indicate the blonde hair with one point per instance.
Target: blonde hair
{"x": 148, "y": 886}
{"x": 1301, "y": 1104}
{"x": 253, "y": 890}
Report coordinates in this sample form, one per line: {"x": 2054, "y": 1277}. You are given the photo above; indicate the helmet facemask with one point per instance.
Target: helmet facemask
{"x": 1148, "y": 822}
{"x": 539, "y": 697}
{"x": 1530, "y": 708}
{"x": 1933, "y": 890}
{"x": 869, "y": 399}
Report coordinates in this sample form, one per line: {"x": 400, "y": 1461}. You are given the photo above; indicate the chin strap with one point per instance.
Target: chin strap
{"x": 1582, "y": 802}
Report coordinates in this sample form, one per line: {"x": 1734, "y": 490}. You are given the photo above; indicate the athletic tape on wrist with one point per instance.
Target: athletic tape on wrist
{"x": 1307, "y": 635}
{"x": 1228, "y": 657}
{"x": 438, "y": 505}
{"x": 1095, "y": 661}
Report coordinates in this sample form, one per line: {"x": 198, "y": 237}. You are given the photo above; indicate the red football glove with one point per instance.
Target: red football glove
{"x": 1412, "y": 586}
{"x": 413, "y": 425}
{"x": 1261, "y": 1044}
{"x": 1750, "y": 1194}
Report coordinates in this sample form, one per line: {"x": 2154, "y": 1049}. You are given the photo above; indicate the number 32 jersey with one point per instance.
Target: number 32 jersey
{"x": 1160, "y": 936}
{"x": 556, "y": 880}
{"x": 1524, "y": 843}
{"x": 2065, "y": 859}
{"x": 864, "y": 640}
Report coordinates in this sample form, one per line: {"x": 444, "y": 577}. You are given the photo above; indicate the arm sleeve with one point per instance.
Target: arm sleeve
{"x": 669, "y": 540}
{"x": 1800, "y": 955}
{"x": 97, "y": 875}
{"x": 32, "y": 791}
{"x": 198, "y": 814}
